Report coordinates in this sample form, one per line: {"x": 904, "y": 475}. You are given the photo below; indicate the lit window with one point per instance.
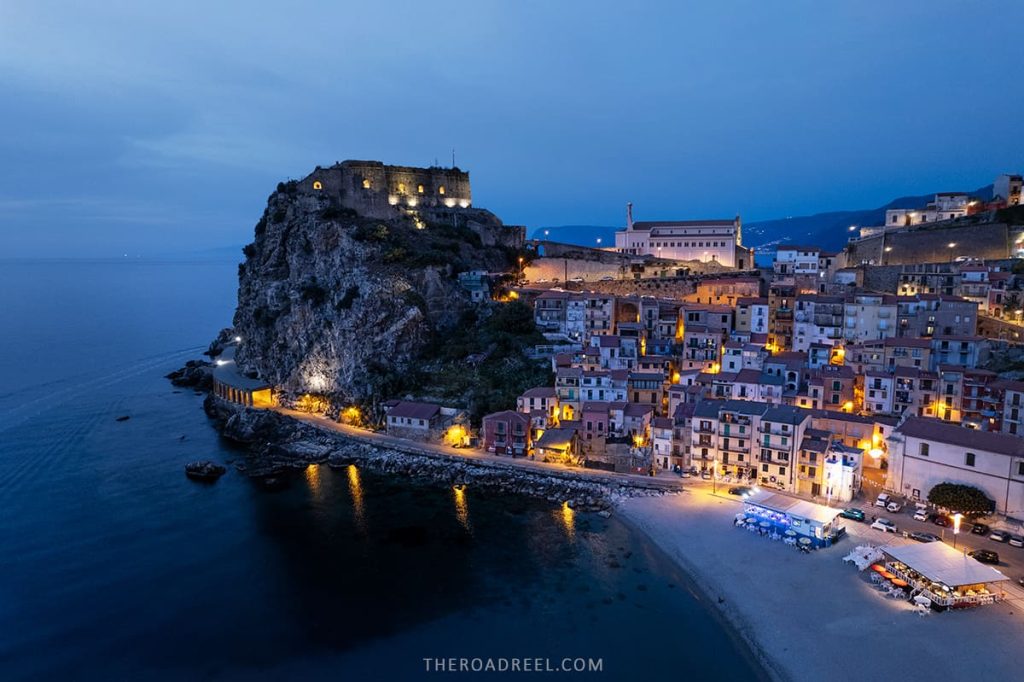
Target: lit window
{"x": 419, "y": 188}
{"x": 317, "y": 185}
{"x": 401, "y": 188}
{"x": 440, "y": 190}
{"x": 366, "y": 183}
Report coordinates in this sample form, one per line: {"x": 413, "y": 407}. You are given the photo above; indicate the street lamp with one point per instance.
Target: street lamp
{"x": 522, "y": 274}
{"x": 951, "y": 245}
{"x": 599, "y": 242}
{"x": 714, "y": 477}
{"x": 956, "y": 526}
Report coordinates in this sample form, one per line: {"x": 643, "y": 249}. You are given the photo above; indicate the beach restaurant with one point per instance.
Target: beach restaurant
{"x": 799, "y": 521}
{"x": 946, "y": 576}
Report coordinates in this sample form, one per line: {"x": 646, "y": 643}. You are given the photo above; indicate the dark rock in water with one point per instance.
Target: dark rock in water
{"x": 273, "y": 483}
{"x": 195, "y": 374}
{"x": 204, "y": 471}
{"x": 123, "y": 418}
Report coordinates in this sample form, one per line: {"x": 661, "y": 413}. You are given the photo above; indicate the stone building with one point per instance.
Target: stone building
{"x": 720, "y": 241}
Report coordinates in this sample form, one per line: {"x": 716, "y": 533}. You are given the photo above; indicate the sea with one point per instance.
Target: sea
{"x": 114, "y": 566}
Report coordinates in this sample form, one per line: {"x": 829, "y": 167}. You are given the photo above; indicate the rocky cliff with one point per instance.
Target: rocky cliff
{"x": 329, "y": 298}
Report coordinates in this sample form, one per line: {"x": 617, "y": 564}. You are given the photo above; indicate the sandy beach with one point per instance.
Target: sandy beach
{"x": 813, "y": 617}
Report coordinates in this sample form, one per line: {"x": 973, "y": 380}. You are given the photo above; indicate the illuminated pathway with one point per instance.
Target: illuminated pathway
{"x": 664, "y": 482}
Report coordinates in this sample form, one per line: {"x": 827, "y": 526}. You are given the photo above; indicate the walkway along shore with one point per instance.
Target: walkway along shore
{"x": 280, "y": 439}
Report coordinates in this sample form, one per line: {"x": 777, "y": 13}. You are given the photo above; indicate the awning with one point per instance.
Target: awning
{"x": 940, "y": 563}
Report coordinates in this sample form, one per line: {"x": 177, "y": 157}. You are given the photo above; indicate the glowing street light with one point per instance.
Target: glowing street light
{"x": 956, "y": 526}
{"x": 852, "y": 228}
{"x": 238, "y": 339}
{"x": 598, "y": 241}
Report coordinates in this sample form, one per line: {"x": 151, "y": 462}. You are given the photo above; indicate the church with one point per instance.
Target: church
{"x": 701, "y": 240}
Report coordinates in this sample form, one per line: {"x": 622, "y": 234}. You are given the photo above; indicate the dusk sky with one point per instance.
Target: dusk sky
{"x": 148, "y": 128}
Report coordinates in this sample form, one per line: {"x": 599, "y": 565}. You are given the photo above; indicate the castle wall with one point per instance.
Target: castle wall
{"x": 931, "y": 245}
{"x": 376, "y": 190}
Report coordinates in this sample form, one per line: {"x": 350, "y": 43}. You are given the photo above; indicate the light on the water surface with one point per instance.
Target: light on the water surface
{"x": 313, "y": 479}
{"x": 461, "y": 506}
{"x": 355, "y": 489}
{"x": 568, "y": 516}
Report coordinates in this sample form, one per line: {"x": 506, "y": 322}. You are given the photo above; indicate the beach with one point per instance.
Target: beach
{"x": 813, "y": 617}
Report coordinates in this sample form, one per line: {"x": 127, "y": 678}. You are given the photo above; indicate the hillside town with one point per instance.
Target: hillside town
{"x": 881, "y": 372}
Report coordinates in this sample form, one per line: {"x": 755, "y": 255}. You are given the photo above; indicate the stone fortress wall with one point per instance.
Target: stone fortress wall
{"x": 376, "y": 190}
{"x": 930, "y": 244}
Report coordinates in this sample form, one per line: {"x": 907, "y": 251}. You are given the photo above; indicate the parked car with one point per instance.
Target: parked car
{"x": 739, "y": 490}
{"x": 985, "y": 556}
{"x": 999, "y": 536}
{"x": 924, "y": 537}
{"x": 883, "y": 499}
{"x": 941, "y": 520}
{"x": 980, "y": 529}
{"x": 852, "y": 513}
{"x": 706, "y": 475}
{"x": 607, "y": 278}
{"x": 884, "y": 525}
{"x": 921, "y": 515}
{"x": 1016, "y": 541}
{"x": 894, "y": 506}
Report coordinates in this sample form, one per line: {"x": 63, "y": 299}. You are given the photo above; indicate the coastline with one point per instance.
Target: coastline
{"x": 706, "y": 590}
{"x": 812, "y": 617}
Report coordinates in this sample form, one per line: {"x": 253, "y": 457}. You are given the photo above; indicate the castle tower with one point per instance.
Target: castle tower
{"x": 629, "y": 215}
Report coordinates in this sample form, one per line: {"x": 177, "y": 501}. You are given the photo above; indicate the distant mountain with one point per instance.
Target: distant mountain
{"x": 829, "y": 230}
{"x": 584, "y": 235}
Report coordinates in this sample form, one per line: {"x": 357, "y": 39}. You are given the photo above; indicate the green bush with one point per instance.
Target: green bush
{"x": 965, "y": 499}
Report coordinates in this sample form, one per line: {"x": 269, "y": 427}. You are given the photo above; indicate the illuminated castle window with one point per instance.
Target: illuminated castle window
{"x": 440, "y": 190}
{"x": 419, "y": 188}
{"x": 317, "y": 185}
{"x": 401, "y": 188}
{"x": 366, "y": 183}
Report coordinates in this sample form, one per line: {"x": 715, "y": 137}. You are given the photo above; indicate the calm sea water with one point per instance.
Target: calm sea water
{"x": 113, "y": 565}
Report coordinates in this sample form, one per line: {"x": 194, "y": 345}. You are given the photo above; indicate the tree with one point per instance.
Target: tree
{"x": 965, "y": 499}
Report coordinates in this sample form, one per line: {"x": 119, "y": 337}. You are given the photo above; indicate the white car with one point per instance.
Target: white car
{"x": 921, "y": 514}
{"x": 894, "y": 506}
{"x": 1016, "y": 541}
{"x": 883, "y": 499}
{"x": 884, "y": 525}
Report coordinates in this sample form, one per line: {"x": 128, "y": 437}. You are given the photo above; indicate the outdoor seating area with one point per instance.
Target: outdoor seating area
{"x": 933, "y": 575}
{"x": 766, "y": 529}
{"x": 948, "y": 578}
{"x": 792, "y": 520}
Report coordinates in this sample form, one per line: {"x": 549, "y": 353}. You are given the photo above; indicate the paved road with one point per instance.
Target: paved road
{"x": 661, "y": 482}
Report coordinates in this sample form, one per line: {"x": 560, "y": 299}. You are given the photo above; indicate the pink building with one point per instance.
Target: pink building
{"x": 507, "y": 433}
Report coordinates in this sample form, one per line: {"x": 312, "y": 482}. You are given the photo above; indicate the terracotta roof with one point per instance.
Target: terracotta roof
{"x": 540, "y": 392}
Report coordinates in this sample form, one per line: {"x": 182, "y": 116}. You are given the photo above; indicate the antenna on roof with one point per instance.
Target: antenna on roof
{"x": 453, "y": 157}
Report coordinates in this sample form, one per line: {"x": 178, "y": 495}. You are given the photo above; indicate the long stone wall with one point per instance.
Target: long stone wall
{"x": 930, "y": 244}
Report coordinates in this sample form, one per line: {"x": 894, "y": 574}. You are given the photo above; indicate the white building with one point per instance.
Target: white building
{"x": 1009, "y": 187}
{"x": 797, "y": 260}
{"x": 700, "y": 240}
{"x": 946, "y": 206}
{"x": 925, "y": 452}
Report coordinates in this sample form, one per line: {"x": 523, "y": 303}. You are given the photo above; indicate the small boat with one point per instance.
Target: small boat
{"x": 204, "y": 471}
{"x": 122, "y": 418}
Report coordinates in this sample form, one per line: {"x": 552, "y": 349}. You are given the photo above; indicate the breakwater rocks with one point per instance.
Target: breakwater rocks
{"x": 278, "y": 443}
{"x": 195, "y": 374}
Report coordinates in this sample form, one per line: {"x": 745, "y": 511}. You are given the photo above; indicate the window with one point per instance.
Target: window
{"x": 1020, "y": 468}
{"x": 764, "y": 468}
{"x": 419, "y": 189}
{"x": 924, "y": 450}
{"x": 401, "y": 188}
{"x": 440, "y": 190}
{"x": 317, "y": 185}
{"x": 969, "y": 459}
{"x": 366, "y": 183}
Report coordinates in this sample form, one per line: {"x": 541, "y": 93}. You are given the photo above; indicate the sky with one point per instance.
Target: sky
{"x": 153, "y": 128}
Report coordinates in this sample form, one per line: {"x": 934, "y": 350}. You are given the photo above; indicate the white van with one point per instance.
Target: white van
{"x": 882, "y": 501}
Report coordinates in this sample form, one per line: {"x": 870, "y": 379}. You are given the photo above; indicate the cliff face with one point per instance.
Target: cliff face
{"x": 328, "y": 298}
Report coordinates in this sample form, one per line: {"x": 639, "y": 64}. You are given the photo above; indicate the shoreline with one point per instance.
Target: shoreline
{"x": 812, "y": 617}
{"x": 704, "y": 592}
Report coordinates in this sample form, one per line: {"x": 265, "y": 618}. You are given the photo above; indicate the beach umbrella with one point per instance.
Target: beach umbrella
{"x": 791, "y": 533}
{"x": 887, "y": 575}
{"x": 899, "y": 582}
{"x": 751, "y": 520}
{"x": 878, "y": 567}
{"x": 805, "y": 541}
{"x": 765, "y": 524}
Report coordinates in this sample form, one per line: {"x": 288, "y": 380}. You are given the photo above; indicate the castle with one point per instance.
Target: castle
{"x": 379, "y": 191}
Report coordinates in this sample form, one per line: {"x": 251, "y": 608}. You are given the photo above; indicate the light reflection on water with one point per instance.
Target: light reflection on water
{"x": 462, "y": 508}
{"x": 313, "y": 480}
{"x": 355, "y": 488}
{"x": 567, "y": 517}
